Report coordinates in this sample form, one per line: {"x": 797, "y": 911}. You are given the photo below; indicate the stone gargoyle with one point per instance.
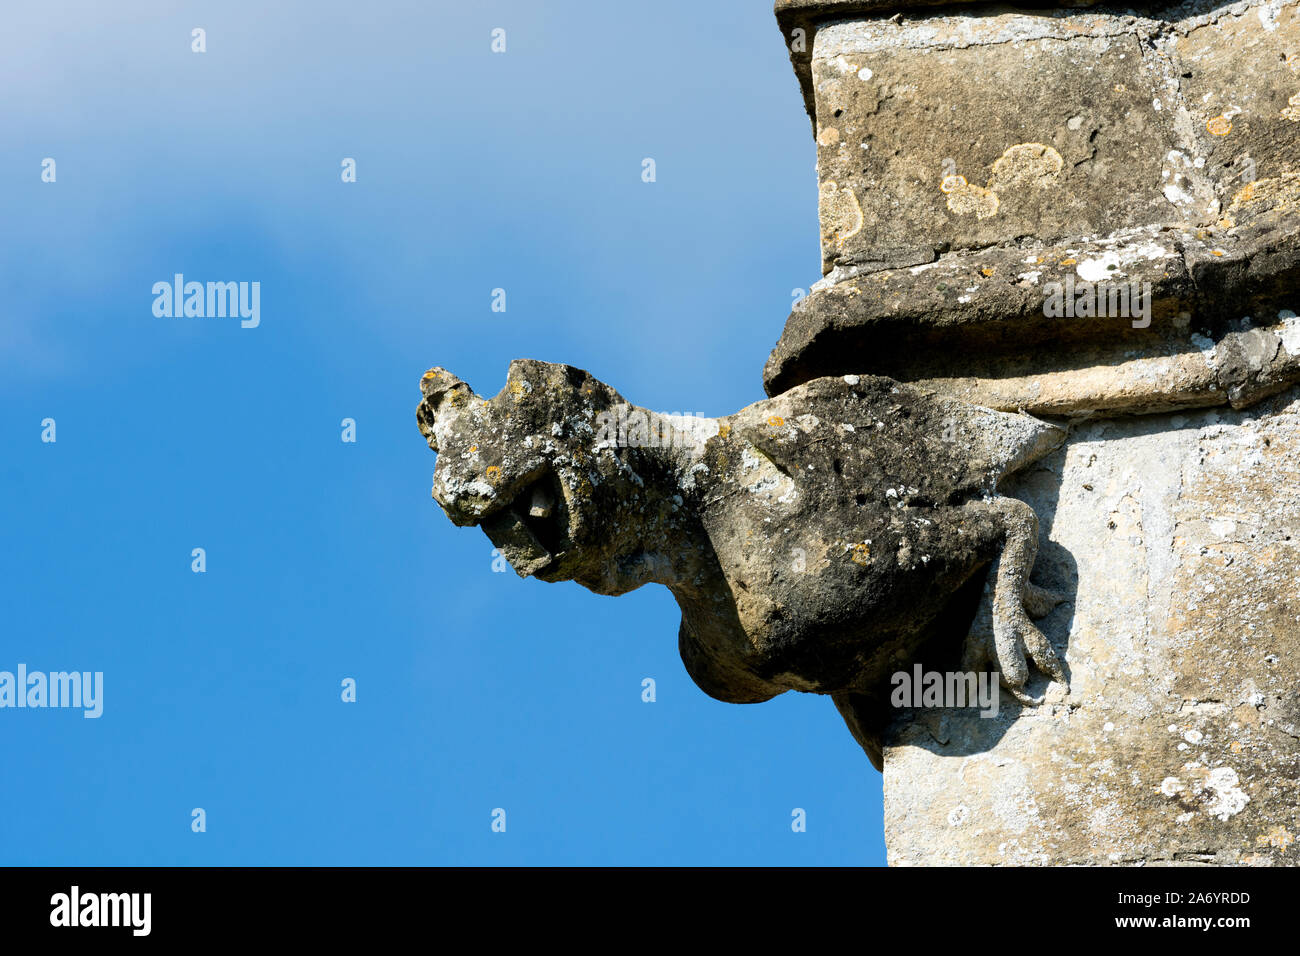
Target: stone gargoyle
{"x": 814, "y": 541}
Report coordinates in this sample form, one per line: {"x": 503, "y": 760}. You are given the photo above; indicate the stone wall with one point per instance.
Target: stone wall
{"x": 1176, "y": 539}
{"x": 970, "y": 158}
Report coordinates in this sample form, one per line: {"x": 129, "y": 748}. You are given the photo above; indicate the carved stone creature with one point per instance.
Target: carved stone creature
{"x": 814, "y": 541}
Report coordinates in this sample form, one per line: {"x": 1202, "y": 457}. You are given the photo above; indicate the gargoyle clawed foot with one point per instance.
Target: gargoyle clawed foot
{"x": 1002, "y": 633}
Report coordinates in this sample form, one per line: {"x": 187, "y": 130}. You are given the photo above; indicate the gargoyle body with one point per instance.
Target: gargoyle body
{"x": 813, "y": 540}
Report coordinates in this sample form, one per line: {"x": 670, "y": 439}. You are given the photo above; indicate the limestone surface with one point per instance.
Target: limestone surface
{"x": 1176, "y": 540}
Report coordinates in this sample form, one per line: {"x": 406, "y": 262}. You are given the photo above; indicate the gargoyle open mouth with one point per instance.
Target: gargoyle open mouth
{"x": 532, "y": 528}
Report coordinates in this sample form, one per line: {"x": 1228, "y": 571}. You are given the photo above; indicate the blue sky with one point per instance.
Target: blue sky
{"x": 325, "y": 560}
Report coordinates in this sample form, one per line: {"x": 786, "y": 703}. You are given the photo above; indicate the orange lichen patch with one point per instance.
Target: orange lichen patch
{"x": 775, "y": 421}
{"x": 1067, "y": 262}
{"x": 473, "y": 448}
{"x": 1216, "y": 252}
{"x": 987, "y": 271}
{"x": 1219, "y": 126}
{"x": 1227, "y": 222}
{"x": 861, "y": 554}
{"x": 840, "y": 214}
{"x": 828, "y": 136}
{"x": 493, "y": 472}
{"x": 430, "y": 374}
{"x": 1284, "y": 189}
{"x": 967, "y": 199}
{"x": 1279, "y": 837}
{"x": 1025, "y": 164}
{"x": 724, "y": 430}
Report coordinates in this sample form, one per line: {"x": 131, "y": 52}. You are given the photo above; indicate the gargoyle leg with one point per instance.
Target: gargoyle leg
{"x": 1002, "y": 632}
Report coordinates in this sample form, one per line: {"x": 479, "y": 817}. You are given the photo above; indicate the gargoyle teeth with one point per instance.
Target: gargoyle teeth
{"x": 542, "y": 504}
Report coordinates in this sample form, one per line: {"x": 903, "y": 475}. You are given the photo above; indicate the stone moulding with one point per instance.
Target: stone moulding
{"x": 1222, "y": 329}
{"x": 972, "y": 160}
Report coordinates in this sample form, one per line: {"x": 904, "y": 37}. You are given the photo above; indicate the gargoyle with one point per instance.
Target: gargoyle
{"x": 814, "y": 541}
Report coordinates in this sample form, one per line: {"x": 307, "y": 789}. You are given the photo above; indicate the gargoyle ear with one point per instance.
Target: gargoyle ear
{"x": 531, "y": 373}
{"x": 444, "y": 394}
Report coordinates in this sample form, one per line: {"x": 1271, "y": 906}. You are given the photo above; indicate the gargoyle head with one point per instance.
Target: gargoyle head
{"x": 524, "y": 466}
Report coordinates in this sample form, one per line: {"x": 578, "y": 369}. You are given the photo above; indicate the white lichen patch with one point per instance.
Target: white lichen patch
{"x": 1228, "y": 799}
{"x": 852, "y": 38}
{"x": 1100, "y": 268}
{"x": 1223, "y": 527}
{"x": 699, "y": 469}
{"x": 1206, "y": 347}
{"x": 1217, "y": 791}
{"x": 1290, "y": 332}
{"x": 1268, "y": 13}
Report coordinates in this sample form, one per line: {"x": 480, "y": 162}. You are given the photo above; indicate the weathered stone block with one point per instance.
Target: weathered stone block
{"x": 1239, "y": 76}
{"x": 957, "y": 132}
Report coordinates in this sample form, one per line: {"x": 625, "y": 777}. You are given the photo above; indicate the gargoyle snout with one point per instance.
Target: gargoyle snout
{"x": 445, "y": 396}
